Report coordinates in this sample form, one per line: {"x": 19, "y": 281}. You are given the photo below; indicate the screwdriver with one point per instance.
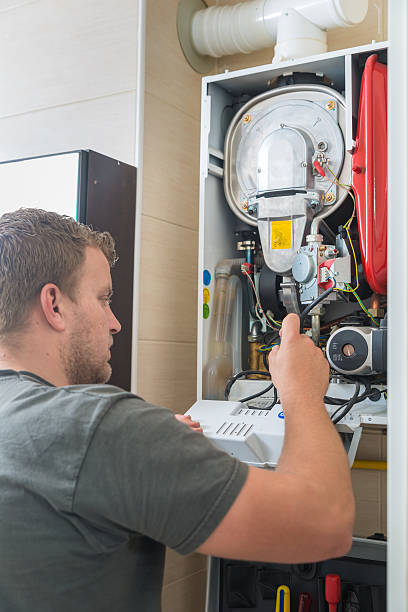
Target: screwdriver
{"x": 332, "y": 591}
{"x": 283, "y": 599}
{"x": 304, "y": 602}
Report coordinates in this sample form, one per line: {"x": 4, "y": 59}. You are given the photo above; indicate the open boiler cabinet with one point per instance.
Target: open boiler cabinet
{"x": 280, "y": 144}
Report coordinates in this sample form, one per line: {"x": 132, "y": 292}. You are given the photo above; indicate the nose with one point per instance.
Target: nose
{"x": 114, "y": 324}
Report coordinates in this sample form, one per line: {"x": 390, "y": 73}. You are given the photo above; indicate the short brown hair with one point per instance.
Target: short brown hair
{"x": 39, "y": 247}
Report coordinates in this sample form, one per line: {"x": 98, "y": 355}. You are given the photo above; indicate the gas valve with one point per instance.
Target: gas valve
{"x": 317, "y": 267}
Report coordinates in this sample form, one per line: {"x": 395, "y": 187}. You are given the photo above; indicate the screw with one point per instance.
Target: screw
{"x": 246, "y": 118}
{"x": 331, "y": 105}
{"x": 259, "y": 170}
{"x": 304, "y": 164}
{"x": 322, "y": 146}
{"x": 329, "y": 197}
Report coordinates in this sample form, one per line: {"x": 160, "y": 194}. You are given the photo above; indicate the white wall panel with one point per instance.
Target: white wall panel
{"x": 106, "y": 125}
{"x": 57, "y": 51}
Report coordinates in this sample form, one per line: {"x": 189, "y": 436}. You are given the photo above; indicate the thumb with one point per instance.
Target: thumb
{"x": 290, "y": 328}
{"x": 272, "y": 356}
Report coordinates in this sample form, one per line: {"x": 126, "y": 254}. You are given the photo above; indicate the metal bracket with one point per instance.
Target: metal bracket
{"x": 290, "y": 294}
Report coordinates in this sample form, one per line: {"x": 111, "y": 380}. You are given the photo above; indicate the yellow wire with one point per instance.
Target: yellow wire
{"x": 350, "y": 290}
{"x": 347, "y": 188}
{"x": 364, "y": 308}
{"x": 348, "y": 223}
{"x": 346, "y": 226}
{"x": 355, "y": 263}
{"x": 344, "y": 185}
{"x": 385, "y": 393}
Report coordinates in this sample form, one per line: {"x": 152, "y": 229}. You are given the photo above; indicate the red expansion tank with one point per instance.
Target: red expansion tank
{"x": 369, "y": 174}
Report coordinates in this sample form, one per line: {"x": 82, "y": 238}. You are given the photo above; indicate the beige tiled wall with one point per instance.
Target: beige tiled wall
{"x": 167, "y": 332}
{"x": 168, "y": 275}
{"x": 370, "y": 486}
{"x": 69, "y": 77}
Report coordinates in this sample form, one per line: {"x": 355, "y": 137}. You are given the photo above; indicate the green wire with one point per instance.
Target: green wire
{"x": 265, "y": 349}
{"x": 362, "y": 305}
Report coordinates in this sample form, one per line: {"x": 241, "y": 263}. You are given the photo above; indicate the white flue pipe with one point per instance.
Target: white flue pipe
{"x": 249, "y": 26}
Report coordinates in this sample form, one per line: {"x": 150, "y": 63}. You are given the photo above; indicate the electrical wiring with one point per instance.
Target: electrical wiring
{"x": 265, "y": 353}
{"x": 336, "y": 180}
{"x": 353, "y": 291}
{"x": 268, "y": 388}
{"x": 242, "y": 374}
{"x": 346, "y": 226}
{"x": 310, "y": 306}
{"x": 355, "y": 399}
{"x": 261, "y": 318}
{"x": 362, "y": 306}
{"x": 265, "y": 357}
{"x": 346, "y": 405}
{"x": 267, "y": 347}
{"x": 350, "y": 290}
{"x": 264, "y": 348}
{"x": 245, "y": 373}
{"x": 269, "y": 321}
{"x": 384, "y": 390}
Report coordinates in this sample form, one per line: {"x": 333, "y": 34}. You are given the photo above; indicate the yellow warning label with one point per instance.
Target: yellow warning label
{"x": 281, "y": 237}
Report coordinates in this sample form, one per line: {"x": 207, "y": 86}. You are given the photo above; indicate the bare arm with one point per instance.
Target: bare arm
{"x": 304, "y": 510}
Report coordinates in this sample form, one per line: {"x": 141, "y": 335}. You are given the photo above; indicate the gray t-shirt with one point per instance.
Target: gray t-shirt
{"x": 93, "y": 483}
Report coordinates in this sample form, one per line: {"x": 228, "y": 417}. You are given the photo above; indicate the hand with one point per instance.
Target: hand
{"x": 187, "y": 420}
{"x": 298, "y": 368}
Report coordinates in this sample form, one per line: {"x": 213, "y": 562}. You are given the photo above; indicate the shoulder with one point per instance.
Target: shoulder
{"x": 108, "y": 393}
{"x": 115, "y": 411}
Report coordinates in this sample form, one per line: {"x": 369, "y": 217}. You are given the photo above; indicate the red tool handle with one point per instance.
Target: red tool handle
{"x": 332, "y": 591}
{"x": 304, "y": 602}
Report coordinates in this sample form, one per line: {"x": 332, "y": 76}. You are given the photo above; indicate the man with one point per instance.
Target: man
{"x": 94, "y": 481}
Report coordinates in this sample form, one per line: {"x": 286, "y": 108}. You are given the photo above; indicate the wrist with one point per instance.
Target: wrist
{"x": 291, "y": 401}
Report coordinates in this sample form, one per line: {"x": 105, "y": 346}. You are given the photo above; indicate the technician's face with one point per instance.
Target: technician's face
{"x": 86, "y": 352}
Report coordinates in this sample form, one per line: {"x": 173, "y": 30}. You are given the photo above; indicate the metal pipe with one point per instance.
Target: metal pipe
{"x": 316, "y": 328}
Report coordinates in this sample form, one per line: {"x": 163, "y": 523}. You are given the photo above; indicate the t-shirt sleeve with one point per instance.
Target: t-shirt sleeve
{"x": 147, "y": 473}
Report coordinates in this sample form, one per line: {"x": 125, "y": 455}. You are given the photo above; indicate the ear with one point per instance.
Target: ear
{"x": 52, "y": 304}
